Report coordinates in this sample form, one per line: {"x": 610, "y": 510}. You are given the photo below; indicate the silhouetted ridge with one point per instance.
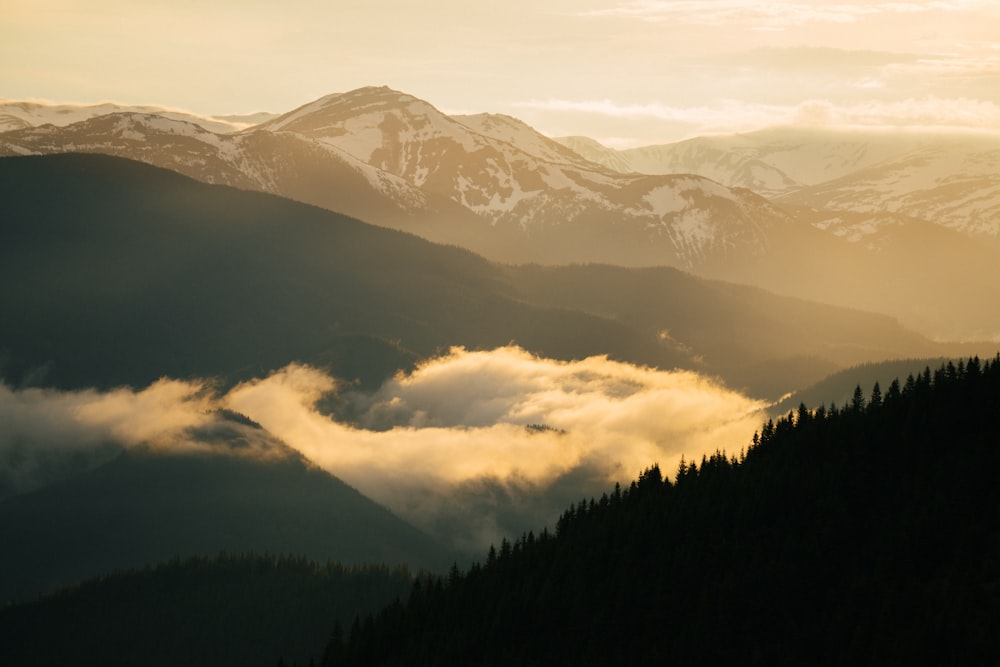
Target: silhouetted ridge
{"x": 865, "y": 534}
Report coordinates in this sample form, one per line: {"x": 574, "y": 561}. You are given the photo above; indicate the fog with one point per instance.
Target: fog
{"x": 471, "y": 446}
{"x": 478, "y": 444}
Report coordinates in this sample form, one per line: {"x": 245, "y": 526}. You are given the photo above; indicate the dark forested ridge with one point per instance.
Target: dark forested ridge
{"x": 867, "y": 534}
{"x": 229, "y": 610}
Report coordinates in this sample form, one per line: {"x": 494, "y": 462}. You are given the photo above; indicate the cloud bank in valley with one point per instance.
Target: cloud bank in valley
{"x": 47, "y": 434}
{"x": 493, "y": 440}
{"x": 470, "y": 446}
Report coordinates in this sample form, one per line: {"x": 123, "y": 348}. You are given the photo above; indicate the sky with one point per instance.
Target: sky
{"x": 625, "y": 72}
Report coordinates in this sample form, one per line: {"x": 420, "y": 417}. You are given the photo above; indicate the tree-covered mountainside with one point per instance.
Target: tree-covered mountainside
{"x": 121, "y": 273}
{"x": 838, "y": 388}
{"x": 238, "y": 610}
{"x": 867, "y": 534}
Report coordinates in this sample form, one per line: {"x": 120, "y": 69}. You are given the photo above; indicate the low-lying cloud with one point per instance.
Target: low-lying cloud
{"x": 46, "y": 434}
{"x": 504, "y": 427}
{"x": 470, "y": 446}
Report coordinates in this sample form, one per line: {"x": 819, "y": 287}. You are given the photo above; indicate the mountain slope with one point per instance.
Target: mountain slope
{"x": 545, "y": 203}
{"x": 952, "y": 182}
{"x": 237, "y": 610}
{"x": 726, "y": 325}
{"x": 16, "y": 115}
{"x": 161, "y": 275}
{"x": 284, "y": 163}
{"x": 492, "y": 184}
{"x": 146, "y": 506}
{"x": 948, "y": 179}
{"x": 839, "y": 538}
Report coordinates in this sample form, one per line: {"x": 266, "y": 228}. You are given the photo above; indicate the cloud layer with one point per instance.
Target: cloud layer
{"x": 470, "y": 446}
{"x": 46, "y": 435}
{"x": 502, "y": 429}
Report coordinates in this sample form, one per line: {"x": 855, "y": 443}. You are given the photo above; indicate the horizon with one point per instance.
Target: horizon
{"x": 622, "y": 73}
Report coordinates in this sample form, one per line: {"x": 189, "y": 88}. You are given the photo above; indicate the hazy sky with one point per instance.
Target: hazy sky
{"x": 627, "y": 72}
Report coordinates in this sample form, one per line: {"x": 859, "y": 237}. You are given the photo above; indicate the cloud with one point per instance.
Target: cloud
{"x": 769, "y": 15}
{"x": 47, "y": 435}
{"x": 471, "y": 446}
{"x": 503, "y": 431}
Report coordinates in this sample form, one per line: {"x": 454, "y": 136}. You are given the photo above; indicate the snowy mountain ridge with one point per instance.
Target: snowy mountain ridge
{"x": 949, "y": 179}
{"x": 16, "y": 115}
{"x": 417, "y": 160}
{"x": 494, "y": 185}
{"x": 279, "y": 162}
{"x": 507, "y": 173}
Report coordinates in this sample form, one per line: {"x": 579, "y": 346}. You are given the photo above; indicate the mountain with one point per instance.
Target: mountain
{"x": 545, "y": 203}
{"x": 162, "y": 275}
{"x": 492, "y": 184}
{"x": 15, "y": 115}
{"x": 241, "y": 491}
{"x": 488, "y": 183}
{"x": 951, "y": 181}
{"x": 888, "y": 205}
{"x": 284, "y": 163}
{"x": 839, "y": 388}
{"x": 600, "y": 154}
{"x": 947, "y": 179}
{"x": 227, "y": 610}
{"x": 838, "y": 538}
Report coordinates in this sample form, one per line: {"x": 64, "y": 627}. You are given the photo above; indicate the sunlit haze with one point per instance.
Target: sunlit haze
{"x": 626, "y": 72}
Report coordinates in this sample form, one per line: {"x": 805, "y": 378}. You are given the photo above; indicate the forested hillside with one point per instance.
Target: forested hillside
{"x": 231, "y": 609}
{"x": 866, "y": 534}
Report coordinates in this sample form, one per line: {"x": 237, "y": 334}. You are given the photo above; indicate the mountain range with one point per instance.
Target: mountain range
{"x": 132, "y": 273}
{"x": 494, "y": 185}
{"x": 948, "y": 179}
{"x": 189, "y": 267}
{"x": 163, "y": 275}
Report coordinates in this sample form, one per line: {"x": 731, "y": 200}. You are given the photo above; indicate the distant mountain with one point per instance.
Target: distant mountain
{"x": 948, "y": 179}
{"x": 548, "y": 203}
{"x": 598, "y": 153}
{"x": 951, "y": 181}
{"x": 162, "y": 275}
{"x": 16, "y": 115}
{"x": 486, "y": 182}
{"x": 285, "y": 163}
{"x": 145, "y": 507}
{"x": 494, "y": 185}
